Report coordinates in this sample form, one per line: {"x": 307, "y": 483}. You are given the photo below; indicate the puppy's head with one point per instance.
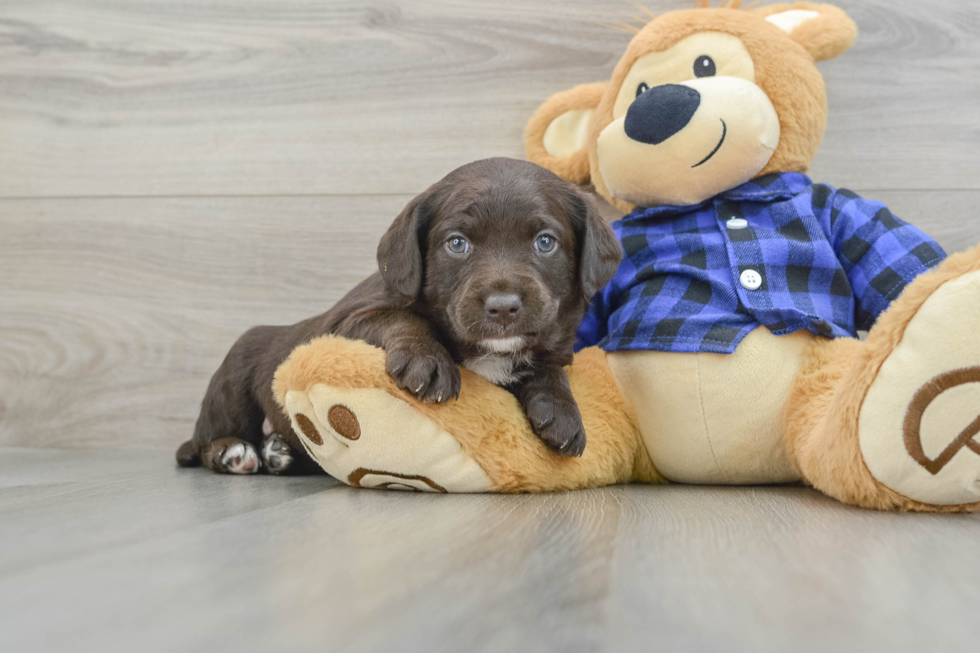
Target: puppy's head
{"x": 502, "y": 254}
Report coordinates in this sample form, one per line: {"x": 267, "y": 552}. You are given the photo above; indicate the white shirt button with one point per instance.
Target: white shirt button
{"x": 737, "y": 223}
{"x": 750, "y": 279}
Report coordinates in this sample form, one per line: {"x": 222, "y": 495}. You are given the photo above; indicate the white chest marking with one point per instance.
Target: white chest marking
{"x": 502, "y": 345}
{"x": 495, "y": 369}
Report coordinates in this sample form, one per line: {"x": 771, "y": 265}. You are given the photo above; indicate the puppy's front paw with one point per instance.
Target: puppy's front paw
{"x": 425, "y": 369}
{"x": 557, "y": 422}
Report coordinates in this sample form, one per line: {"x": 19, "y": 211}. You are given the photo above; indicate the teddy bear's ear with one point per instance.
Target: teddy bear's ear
{"x": 824, "y": 30}
{"x": 556, "y": 135}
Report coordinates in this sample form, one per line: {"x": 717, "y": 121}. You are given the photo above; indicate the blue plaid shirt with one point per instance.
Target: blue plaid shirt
{"x": 828, "y": 261}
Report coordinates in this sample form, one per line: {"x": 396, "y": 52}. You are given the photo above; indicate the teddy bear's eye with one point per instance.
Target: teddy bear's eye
{"x": 641, "y": 89}
{"x": 704, "y": 66}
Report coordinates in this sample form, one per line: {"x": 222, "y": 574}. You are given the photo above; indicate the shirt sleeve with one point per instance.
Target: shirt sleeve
{"x": 880, "y": 254}
{"x": 594, "y": 326}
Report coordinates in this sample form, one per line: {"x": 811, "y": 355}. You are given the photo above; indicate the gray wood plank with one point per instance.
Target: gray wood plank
{"x": 117, "y": 311}
{"x": 140, "y": 97}
{"x": 80, "y": 495}
{"x": 148, "y": 557}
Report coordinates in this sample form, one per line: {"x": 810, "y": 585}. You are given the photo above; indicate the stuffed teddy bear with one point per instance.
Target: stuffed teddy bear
{"x": 724, "y": 351}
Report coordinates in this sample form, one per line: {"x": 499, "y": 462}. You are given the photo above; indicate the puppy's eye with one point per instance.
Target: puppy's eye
{"x": 641, "y": 89}
{"x": 545, "y": 243}
{"x": 457, "y": 245}
{"x": 704, "y": 66}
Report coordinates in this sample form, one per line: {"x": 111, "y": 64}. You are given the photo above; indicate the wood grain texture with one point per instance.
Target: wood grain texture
{"x": 163, "y": 559}
{"x": 117, "y": 311}
{"x": 229, "y": 97}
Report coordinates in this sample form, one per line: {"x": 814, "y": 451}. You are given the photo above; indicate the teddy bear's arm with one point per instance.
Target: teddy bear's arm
{"x": 880, "y": 253}
{"x": 351, "y": 417}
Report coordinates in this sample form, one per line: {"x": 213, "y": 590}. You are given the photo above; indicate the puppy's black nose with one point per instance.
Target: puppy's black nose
{"x": 661, "y": 112}
{"x": 502, "y": 309}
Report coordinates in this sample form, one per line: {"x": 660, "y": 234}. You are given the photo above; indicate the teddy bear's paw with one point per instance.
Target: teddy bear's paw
{"x": 919, "y": 427}
{"x": 369, "y": 438}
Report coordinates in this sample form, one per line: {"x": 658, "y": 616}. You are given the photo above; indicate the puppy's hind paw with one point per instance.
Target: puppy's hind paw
{"x": 232, "y": 456}
{"x": 277, "y": 456}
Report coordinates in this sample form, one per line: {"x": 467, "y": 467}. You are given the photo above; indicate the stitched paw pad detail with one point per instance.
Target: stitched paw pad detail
{"x": 371, "y": 439}
{"x": 920, "y": 422}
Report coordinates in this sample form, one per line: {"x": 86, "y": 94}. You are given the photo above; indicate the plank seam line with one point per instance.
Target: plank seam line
{"x": 21, "y": 198}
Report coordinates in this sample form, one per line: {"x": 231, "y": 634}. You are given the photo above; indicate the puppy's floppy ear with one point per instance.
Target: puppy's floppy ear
{"x": 825, "y": 31}
{"x": 557, "y": 134}
{"x": 599, "y": 250}
{"x": 400, "y": 252}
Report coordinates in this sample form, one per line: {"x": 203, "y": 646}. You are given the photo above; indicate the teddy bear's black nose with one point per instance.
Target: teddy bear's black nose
{"x": 660, "y": 112}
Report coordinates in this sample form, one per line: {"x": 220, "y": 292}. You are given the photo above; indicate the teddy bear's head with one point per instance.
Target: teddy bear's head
{"x": 703, "y": 100}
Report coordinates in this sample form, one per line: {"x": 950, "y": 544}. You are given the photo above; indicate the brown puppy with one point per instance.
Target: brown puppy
{"x": 491, "y": 268}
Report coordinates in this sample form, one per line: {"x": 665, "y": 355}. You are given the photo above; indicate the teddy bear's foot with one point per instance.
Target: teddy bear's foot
{"x": 919, "y": 425}
{"x": 368, "y": 438}
{"x": 893, "y": 423}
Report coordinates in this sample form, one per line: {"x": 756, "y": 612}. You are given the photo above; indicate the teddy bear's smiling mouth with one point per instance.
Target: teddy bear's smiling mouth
{"x": 724, "y": 133}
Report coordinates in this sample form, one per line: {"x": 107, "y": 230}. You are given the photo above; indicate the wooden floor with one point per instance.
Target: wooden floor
{"x": 120, "y": 551}
{"x": 172, "y": 173}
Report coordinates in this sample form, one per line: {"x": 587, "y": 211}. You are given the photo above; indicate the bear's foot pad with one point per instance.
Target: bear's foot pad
{"x": 920, "y": 422}
{"x": 369, "y": 438}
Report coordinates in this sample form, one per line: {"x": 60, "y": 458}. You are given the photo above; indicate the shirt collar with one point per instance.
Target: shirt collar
{"x": 768, "y": 188}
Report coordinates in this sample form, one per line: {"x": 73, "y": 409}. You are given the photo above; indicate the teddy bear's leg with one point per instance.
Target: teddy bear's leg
{"x": 363, "y": 430}
{"x": 893, "y": 423}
